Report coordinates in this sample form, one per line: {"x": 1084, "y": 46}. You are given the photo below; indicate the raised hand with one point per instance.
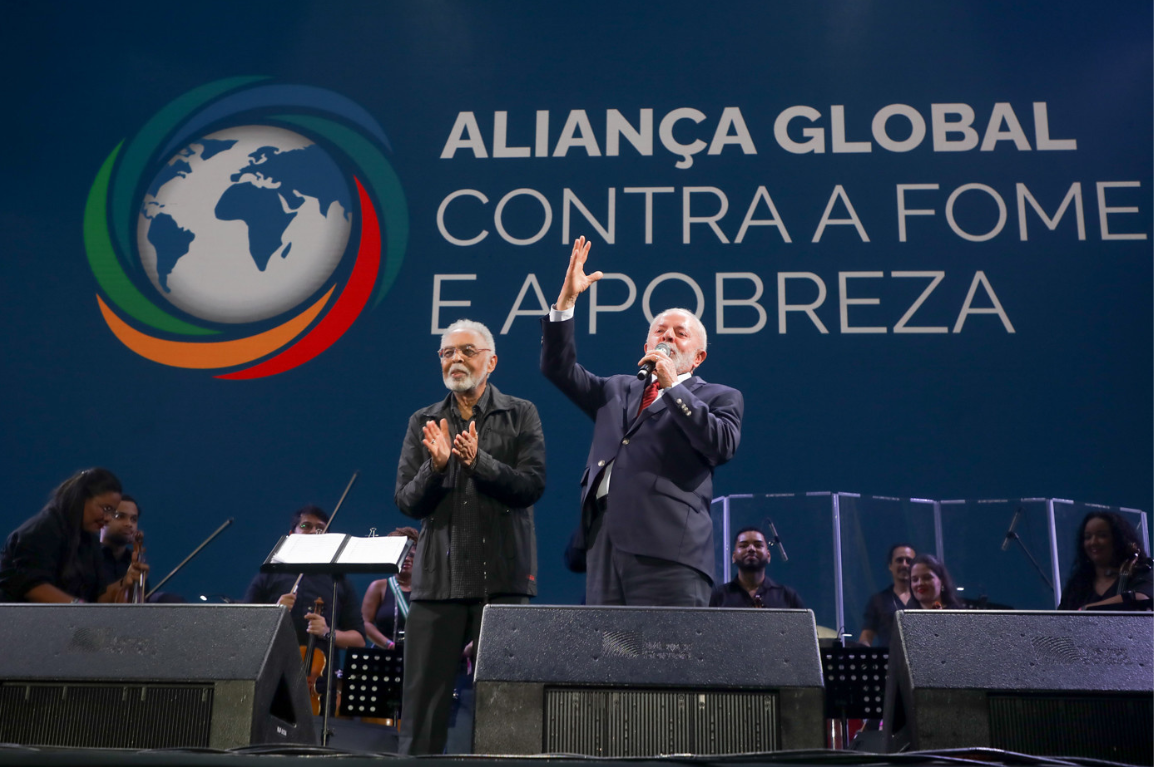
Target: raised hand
{"x": 576, "y": 281}
{"x": 465, "y": 445}
{"x": 436, "y": 441}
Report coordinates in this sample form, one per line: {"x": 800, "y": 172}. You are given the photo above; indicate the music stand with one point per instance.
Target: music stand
{"x": 855, "y": 683}
{"x": 373, "y": 681}
{"x": 336, "y": 554}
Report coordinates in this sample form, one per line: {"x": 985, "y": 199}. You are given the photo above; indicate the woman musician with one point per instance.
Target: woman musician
{"x": 55, "y": 556}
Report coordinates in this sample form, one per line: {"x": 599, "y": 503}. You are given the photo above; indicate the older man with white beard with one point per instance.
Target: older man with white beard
{"x": 471, "y": 468}
{"x": 648, "y": 481}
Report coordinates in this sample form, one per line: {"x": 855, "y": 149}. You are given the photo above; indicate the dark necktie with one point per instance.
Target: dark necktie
{"x": 648, "y": 397}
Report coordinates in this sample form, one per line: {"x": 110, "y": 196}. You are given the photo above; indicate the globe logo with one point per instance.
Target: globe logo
{"x": 244, "y": 224}
{"x": 245, "y": 228}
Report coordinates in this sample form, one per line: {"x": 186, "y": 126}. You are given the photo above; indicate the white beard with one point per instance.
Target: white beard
{"x": 470, "y": 381}
{"x": 682, "y": 362}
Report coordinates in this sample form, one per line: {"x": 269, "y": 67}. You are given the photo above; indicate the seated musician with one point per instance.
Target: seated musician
{"x": 932, "y": 585}
{"x": 751, "y": 587}
{"x": 1111, "y": 569}
{"x": 276, "y": 588}
{"x": 386, "y": 604}
{"x": 879, "y": 615}
{"x": 117, "y": 535}
{"x": 55, "y": 556}
{"x": 121, "y": 530}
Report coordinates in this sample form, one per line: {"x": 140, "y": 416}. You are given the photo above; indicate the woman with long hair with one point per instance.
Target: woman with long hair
{"x": 55, "y": 556}
{"x": 932, "y": 585}
{"x": 1110, "y": 566}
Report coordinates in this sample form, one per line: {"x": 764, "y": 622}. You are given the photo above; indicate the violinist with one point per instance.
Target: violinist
{"x": 1111, "y": 569}
{"x": 56, "y": 557}
{"x": 276, "y": 588}
{"x": 932, "y": 585}
{"x": 119, "y": 532}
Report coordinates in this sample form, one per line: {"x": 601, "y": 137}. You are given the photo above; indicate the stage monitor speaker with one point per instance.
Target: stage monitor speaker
{"x": 151, "y": 676}
{"x": 1075, "y": 684}
{"x": 644, "y": 681}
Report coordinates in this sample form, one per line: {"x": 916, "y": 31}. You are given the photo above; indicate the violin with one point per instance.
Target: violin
{"x": 136, "y": 592}
{"x": 314, "y": 662}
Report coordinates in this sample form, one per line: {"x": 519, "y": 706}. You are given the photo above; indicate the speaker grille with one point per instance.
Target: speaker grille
{"x": 619, "y": 723}
{"x": 1116, "y": 727}
{"x": 106, "y": 715}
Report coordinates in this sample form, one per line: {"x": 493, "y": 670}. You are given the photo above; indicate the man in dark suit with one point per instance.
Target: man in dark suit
{"x": 648, "y": 480}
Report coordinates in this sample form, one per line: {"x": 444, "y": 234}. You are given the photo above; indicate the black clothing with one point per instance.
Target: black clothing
{"x": 879, "y": 614}
{"x": 616, "y": 577}
{"x": 1079, "y": 592}
{"x": 388, "y": 616}
{"x": 477, "y": 546}
{"x": 37, "y": 553}
{"x": 508, "y": 477}
{"x": 267, "y": 588}
{"x": 115, "y": 567}
{"x": 431, "y": 666}
{"x": 773, "y": 594}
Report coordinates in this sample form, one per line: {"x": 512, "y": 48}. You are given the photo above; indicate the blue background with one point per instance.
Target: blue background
{"x": 1060, "y": 408}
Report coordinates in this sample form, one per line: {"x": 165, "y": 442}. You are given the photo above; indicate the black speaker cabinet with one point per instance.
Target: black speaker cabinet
{"x": 632, "y": 681}
{"x": 151, "y": 676}
{"x": 1044, "y": 683}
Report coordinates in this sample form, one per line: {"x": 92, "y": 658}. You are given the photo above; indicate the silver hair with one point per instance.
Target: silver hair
{"x": 693, "y": 320}
{"x": 474, "y": 326}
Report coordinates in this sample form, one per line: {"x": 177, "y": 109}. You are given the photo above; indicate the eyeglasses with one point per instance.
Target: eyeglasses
{"x": 308, "y": 527}
{"x": 468, "y": 352}
{"x": 119, "y": 515}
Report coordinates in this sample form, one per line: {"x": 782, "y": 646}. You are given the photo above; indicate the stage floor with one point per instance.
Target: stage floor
{"x": 256, "y": 756}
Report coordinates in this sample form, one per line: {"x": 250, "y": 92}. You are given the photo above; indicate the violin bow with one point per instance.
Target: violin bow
{"x": 329, "y": 524}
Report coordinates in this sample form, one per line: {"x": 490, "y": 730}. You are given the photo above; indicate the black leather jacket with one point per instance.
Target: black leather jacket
{"x": 509, "y": 474}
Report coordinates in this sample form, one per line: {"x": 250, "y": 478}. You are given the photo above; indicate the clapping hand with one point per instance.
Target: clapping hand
{"x": 436, "y": 441}
{"x": 465, "y": 445}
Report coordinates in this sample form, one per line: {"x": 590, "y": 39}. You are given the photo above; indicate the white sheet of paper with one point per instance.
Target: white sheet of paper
{"x": 309, "y": 549}
{"x": 378, "y": 550}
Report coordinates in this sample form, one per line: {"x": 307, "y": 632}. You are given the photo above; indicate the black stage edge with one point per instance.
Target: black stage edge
{"x": 254, "y": 756}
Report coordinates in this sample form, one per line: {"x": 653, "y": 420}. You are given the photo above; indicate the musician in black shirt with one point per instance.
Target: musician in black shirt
{"x": 751, "y": 587}
{"x": 55, "y": 556}
{"x": 276, "y": 588}
{"x": 879, "y": 615}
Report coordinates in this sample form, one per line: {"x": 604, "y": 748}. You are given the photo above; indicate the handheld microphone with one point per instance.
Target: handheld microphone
{"x": 1010, "y": 535}
{"x": 777, "y": 542}
{"x": 647, "y": 369}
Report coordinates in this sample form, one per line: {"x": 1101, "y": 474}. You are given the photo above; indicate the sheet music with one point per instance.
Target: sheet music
{"x": 381, "y": 549}
{"x": 308, "y": 549}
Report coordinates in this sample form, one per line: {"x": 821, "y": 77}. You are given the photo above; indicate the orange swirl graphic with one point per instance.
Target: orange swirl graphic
{"x": 220, "y": 354}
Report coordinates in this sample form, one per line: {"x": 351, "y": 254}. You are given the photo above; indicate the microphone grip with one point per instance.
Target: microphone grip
{"x": 647, "y": 369}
